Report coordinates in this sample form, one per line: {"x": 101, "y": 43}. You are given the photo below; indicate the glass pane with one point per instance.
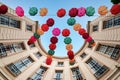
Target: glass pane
{"x": 116, "y": 52}
{"x": 94, "y": 65}
{"x": 10, "y": 48}
{"x": 83, "y": 55}
{"x": 19, "y": 47}
{"x": 40, "y": 71}
{"x": 117, "y": 21}
{"x": 20, "y": 65}
{"x": 27, "y": 61}
{"x": 60, "y": 64}
{"x": 38, "y": 74}
{"x": 14, "y": 69}
{"x": 110, "y": 50}
{"x": 4, "y": 20}
{"x": 8, "y": 51}
{"x": 95, "y": 28}
{"x": 36, "y": 77}
{"x": 29, "y": 27}
{"x": 2, "y": 50}
{"x": 76, "y": 74}
{"x": 38, "y": 55}
{"x": 100, "y": 71}
{"x": 58, "y": 75}
{"x": 32, "y": 45}
{"x": 110, "y": 23}
{"x": 14, "y": 23}
{"x": 102, "y": 48}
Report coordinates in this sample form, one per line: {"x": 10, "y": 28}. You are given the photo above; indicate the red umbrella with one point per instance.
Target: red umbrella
{"x": 49, "y": 60}
{"x": 54, "y": 40}
{"x": 70, "y": 54}
{"x": 85, "y": 35}
{"x": 3, "y": 9}
{"x": 66, "y": 32}
{"x": 45, "y": 27}
{"x": 73, "y": 12}
{"x": 115, "y": 9}
{"x": 50, "y": 22}
{"x": 82, "y": 31}
{"x": 52, "y": 46}
{"x": 61, "y": 12}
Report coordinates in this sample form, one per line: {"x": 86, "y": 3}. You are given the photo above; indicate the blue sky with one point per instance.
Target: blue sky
{"x": 53, "y": 6}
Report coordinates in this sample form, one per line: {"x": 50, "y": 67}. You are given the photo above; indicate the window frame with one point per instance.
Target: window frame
{"x": 11, "y": 48}
{"x": 99, "y": 69}
{"x": 113, "y": 48}
{"x": 29, "y": 27}
{"x": 10, "y": 22}
{"x": 15, "y": 75}
{"x": 38, "y": 57}
{"x": 32, "y": 45}
{"x": 95, "y": 28}
{"x": 83, "y": 55}
{"x": 74, "y": 76}
{"x": 58, "y": 75}
{"x": 60, "y": 64}
{"x": 110, "y": 23}
{"x": 37, "y": 73}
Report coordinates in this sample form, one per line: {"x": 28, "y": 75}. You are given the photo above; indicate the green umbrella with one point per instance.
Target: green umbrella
{"x": 71, "y": 21}
{"x": 33, "y": 11}
{"x": 36, "y": 36}
{"x": 51, "y": 52}
{"x": 115, "y": 1}
{"x": 90, "y": 11}
{"x": 67, "y": 40}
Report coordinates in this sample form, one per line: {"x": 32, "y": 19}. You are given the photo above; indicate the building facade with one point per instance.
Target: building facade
{"x": 19, "y": 61}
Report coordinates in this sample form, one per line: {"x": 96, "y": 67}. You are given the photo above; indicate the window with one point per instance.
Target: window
{"x": 58, "y": 75}
{"x": 38, "y": 55}
{"x": 95, "y": 28}
{"x": 5, "y": 20}
{"x": 10, "y": 48}
{"x": 38, "y": 74}
{"x": 108, "y": 24}
{"x": 29, "y": 27}
{"x": 76, "y": 74}
{"x": 117, "y": 20}
{"x": 14, "y": 23}
{"x": 32, "y": 45}
{"x": 18, "y": 67}
{"x": 111, "y": 51}
{"x": 89, "y": 46}
{"x": 83, "y": 55}
{"x": 112, "y": 22}
{"x": 102, "y": 48}
{"x": 60, "y": 64}
{"x": 97, "y": 68}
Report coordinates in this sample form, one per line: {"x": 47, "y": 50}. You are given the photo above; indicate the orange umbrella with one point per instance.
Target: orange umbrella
{"x": 102, "y": 10}
{"x": 43, "y": 11}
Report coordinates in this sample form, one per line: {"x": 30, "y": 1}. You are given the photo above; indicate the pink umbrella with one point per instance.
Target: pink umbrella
{"x": 19, "y": 11}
